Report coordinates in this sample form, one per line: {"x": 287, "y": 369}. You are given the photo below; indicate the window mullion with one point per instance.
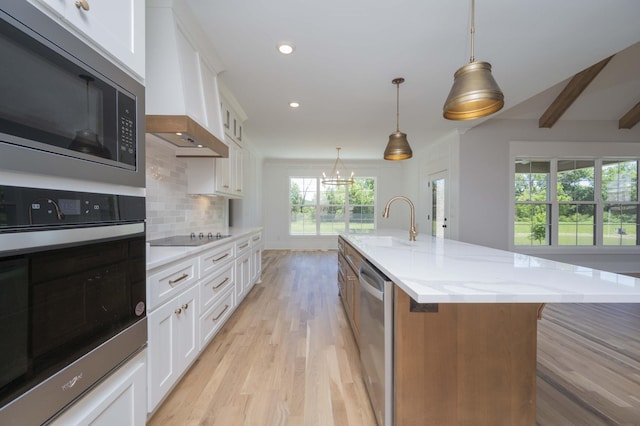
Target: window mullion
{"x": 597, "y": 198}
{"x": 345, "y": 208}
{"x": 553, "y": 201}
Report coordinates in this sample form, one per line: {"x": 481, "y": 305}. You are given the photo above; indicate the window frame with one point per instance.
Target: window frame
{"x": 554, "y": 204}
{"x": 319, "y": 206}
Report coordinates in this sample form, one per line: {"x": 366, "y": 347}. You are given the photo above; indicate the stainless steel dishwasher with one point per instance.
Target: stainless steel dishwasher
{"x": 376, "y": 340}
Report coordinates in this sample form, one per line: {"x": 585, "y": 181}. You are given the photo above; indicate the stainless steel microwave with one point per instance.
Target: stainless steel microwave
{"x": 65, "y": 110}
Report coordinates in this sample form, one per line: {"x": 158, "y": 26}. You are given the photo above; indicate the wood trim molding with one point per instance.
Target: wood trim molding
{"x": 631, "y": 118}
{"x": 570, "y": 93}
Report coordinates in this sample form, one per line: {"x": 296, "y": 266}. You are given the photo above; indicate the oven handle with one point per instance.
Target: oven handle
{"x": 23, "y": 241}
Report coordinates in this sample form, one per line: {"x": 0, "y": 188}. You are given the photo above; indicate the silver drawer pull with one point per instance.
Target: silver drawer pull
{"x": 256, "y": 238}
{"x": 221, "y": 313}
{"x": 172, "y": 282}
{"x": 244, "y": 245}
{"x": 221, "y": 284}
{"x": 178, "y": 311}
{"x": 220, "y": 258}
{"x": 185, "y": 306}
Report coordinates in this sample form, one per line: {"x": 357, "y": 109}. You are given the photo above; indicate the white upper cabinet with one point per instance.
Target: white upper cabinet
{"x": 115, "y": 27}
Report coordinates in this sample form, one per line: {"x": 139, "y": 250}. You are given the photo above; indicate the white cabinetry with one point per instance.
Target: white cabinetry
{"x": 230, "y": 171}
{"x": 231, "y": 122}
{"x": 190, "y": 299}
{"x": 173, "y": 343}
{"x": 217, "y": 176}
{"x": 256, "y": 257}
{"x": 118, "y": 400}
{"x": 114, "y": 27}
{"x": 243, "y": 267}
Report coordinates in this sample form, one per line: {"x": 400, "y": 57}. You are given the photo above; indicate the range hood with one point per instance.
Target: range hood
{"x": 183, "y": 132}
{"x": 181, "y": 82}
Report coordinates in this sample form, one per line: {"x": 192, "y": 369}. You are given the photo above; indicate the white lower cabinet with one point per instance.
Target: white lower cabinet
{"x": 256, "y": 258}
{"x": 173, "y": 343}
{"x": 118, "y": 400}
{"x": 243, "y": 275}
{"x": 213, "y": 319}
{"x": 190, "y": 300}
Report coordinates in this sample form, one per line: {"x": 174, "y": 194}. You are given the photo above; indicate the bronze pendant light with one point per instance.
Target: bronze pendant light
{"x": 474, "y": 93}
{"x": 398, "y": 146}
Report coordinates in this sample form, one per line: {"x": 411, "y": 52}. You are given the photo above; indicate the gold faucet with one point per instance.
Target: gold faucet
{"x": 412, "y": 231}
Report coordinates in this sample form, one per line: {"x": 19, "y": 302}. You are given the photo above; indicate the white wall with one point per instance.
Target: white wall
{"x": 391, "y": 181}
{"x": 485, "y": 163}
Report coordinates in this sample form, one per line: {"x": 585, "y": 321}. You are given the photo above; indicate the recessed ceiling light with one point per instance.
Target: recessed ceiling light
{"x": 286, "y": 48}
{"x": 294, "y": 104}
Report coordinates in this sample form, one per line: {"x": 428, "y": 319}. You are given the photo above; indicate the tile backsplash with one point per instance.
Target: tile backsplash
{"x": 170, "y": 210}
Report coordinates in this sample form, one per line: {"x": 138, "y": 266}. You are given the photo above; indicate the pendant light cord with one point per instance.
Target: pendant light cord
{"x": 397, "y": 107}
{"x": 473, "y": 29}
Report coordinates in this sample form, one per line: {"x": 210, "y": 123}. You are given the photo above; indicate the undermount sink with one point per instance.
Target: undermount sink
{"x": 387, "y": 241}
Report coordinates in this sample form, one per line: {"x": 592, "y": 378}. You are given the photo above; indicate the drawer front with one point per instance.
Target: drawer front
{"x": 256, "y": 239}
{"x": 352, "y": 256}
{"x": 341, "y": 245}
{"x": 211, "y": 289}
{"x": 164, "y": 284}
{"x": 212, "y": 260}
{"x": 242, "y": 245}
{"x": 216, "y": 316}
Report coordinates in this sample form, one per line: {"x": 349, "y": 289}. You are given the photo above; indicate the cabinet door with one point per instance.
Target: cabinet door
{"x": 223, "y": 176}
{"x": 238, "y": 171}
{"x": 188, "y": 323}
{"x": 172, "y": 344}
{"x": 243, "y": 276}
{"x": 256, "y": 263}
{"x": 118, "y": 400}
{"x": 118, "y": 26}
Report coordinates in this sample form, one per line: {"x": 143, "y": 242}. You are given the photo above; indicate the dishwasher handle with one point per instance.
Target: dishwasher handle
{"x": 371, "y": 280}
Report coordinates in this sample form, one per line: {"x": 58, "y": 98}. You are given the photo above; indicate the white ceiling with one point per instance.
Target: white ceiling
{"x": 348, "y": 51}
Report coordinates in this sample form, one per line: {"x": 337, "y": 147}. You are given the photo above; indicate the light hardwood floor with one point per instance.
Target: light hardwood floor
{"x": 287, "y": 357}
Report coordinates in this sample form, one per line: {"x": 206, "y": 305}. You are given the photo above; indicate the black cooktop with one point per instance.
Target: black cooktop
{"x": 187, "y": 240}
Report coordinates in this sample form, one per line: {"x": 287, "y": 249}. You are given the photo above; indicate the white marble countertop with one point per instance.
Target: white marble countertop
{"x": 160, "y": 256}
{"x": 434, "y": 270}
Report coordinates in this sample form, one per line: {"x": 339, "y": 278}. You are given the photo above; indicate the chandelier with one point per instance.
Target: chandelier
{"x": 335, "y": 178}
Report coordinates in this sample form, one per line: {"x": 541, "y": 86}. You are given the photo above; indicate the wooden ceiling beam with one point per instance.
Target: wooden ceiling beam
{"x": 570, "y": 93}
{"x": 631, "y": 118}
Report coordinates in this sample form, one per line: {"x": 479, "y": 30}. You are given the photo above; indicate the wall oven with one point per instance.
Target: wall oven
{"x": 72, "y": 295}
{"x": 65, "y": 110}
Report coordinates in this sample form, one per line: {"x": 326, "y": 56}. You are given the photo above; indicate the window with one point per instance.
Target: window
{"x": 317, "y": 209}
{"x": 576, "y": 202}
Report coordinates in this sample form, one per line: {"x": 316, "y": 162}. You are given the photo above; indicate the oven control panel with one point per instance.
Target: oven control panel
{"x": 35, "y": 208}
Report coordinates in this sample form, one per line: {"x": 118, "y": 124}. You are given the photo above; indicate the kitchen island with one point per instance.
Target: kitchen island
{"x": 465, "y": 324}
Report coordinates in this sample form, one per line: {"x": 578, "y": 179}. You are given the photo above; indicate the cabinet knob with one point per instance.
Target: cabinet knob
{"x": 178, "y": 311}
{"x": 185, "y": 306}
{"x": 82, "y": 4}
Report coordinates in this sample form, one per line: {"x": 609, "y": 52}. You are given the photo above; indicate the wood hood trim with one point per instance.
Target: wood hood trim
{"x": 167, "y": 126}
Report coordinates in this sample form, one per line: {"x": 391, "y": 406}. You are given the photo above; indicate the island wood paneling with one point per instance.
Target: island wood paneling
{"x": 467, "y": 364}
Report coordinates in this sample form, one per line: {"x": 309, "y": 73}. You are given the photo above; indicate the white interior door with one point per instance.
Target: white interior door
{"x": 437, "y": 216}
